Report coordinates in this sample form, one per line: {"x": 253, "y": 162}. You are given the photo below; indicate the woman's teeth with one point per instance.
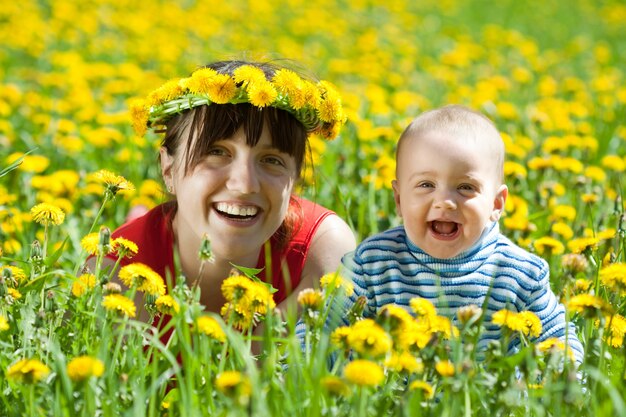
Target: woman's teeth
{"x": 236, "y": 210}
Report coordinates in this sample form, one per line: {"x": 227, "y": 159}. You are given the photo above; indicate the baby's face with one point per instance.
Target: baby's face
{"x": 447, "y": 190}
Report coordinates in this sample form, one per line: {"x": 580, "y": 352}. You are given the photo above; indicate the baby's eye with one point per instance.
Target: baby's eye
{"x": 467, "y": 187}
{"x": 425, "y": 184}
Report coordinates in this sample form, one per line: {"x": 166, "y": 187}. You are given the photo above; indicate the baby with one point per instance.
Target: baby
{"x": 450, "y": 193}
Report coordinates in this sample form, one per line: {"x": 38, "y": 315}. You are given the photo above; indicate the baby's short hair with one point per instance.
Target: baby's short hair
{"x": 458, "y": 121}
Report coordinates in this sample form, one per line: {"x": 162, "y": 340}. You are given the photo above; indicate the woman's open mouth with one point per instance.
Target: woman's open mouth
{"x": 236, "y": 212}
{"x": 445, "y": 230}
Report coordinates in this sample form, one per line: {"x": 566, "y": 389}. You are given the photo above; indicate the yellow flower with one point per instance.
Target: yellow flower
{"x": 587, "y": 304}
{"x": 563, "y": 212}
{"x": 166, "y": 304}
{"x": 423, "y": 386}
{"x": 210, "y": 327}
{"x": 595, "y": 173}
{"x": 548, "y": 245}
{"x": 259, "y": 298}
{"x": 239, "y": 315}
{"x": 614, "y": 163}
{"x": 139, "y": 113}
{"x": 28, "y": 370}
{"x": 509, "y": 319}
{"x": 563, "y": 229}
{"x": 335, "y": 386}
{"x": 423, "y": 308}
{"x": 396, "y": 318}
{"x": 30, "y": 163}
{"x": 16, "y": 274}
{"x": 368, "y": 338}
{"x": 552, "y": 345}
{"x": 113, "y": 183}
{"x": 339, "y": 337}
{"x": 82, "y": 284}
{"x": 248, "y": 74}
{"x": 235, "y": 287}
{"x": 124, "y": 247}
{"x": 120, "y": 304}
{"x": 199, "y": 81}
{"x": 416, "y": 336}
{"x": 233, "y": 384}
{"x": 311, "y": 299}
{"x": 289, "y": 83}
{"x": 47, "y": 214}
{"x": 90, "y": 243}
{"x": 582, "y": 244}
{"x": 143, "y": 277}
{"x": 83, "y": 367}
{"x": 445, "y": 368}
{"x": 4, "y": 323}
{"x": 514, "y": 169}
{"x": 262, "y": 94}
{"x": 333, "y": 281}
{"x": 614, "y": 277}
{"x": 616, "y": 328}
{"x": 221, "y": 89}
{"x": 404, "y": 361}
{"x": 364, "y": 373}
{"x": 15, "y": 294}
{"x": 532, "y": 323}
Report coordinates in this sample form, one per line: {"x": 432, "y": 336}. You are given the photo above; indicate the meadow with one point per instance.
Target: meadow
{"x": 549, "y": 74}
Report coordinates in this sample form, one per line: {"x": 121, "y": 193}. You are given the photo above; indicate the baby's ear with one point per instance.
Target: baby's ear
{"x": 396, "y": 196}
{"x": 498, "y": 203}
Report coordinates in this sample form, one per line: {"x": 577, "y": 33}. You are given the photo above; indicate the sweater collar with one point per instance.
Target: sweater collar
{"x": 465, "y": 262}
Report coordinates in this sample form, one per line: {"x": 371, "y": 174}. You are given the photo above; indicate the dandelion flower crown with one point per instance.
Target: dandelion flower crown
{"x": 316, "y": 105}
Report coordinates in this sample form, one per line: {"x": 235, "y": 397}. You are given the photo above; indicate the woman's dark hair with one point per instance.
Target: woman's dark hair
{"x": 211, "y": 123}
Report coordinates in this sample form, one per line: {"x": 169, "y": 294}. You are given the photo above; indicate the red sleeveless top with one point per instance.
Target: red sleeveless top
{"x": 153, "y": 235}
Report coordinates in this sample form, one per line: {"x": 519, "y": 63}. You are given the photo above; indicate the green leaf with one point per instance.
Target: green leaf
{"x": 15, "y": 164}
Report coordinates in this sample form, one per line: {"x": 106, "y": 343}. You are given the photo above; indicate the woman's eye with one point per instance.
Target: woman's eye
{"x": 273, "y": 160}
{"x": 217, "y": 151}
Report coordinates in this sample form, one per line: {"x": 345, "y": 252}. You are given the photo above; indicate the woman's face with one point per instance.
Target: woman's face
{"x": 238, "y": 195}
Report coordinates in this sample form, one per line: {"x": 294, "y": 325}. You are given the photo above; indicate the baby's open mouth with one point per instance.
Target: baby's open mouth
{"x": 236, "y": 211}
{"x": 444, "y": 228}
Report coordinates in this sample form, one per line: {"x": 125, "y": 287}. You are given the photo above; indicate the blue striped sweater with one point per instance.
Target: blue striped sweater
{"x": 388, "y": 268}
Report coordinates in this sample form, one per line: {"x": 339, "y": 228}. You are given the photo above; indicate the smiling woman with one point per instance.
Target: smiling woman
{"x": 235, "y": 138}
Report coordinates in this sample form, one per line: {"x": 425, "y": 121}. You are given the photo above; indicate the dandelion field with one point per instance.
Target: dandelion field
{"x": 550, "y": 75}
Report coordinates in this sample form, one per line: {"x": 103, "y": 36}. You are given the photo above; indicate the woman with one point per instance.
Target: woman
{"x": 234, "y": 145}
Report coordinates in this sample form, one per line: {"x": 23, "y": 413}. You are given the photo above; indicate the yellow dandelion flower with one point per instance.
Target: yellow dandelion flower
{"x": 443, "y": 326}
{"x": 120, "y": 304}
{"x": 170, "y": 90}
{"x": 4, "y": 323}
{"x": 333, "y": 281}
{"x": 548, "y": 245}
{"x": 445, "y": 368}
{"x": 563, "y": 211}
{"x": 139, "y": 114}
{"x": 335, "y": 386}
{"x": 239, "y": 316}
{"x": 236, "y": 287}
{"x": 404, "y": 362}
{"x": 16, "y": 275}
{"x": 423, "y": 308}
{"x": 595, "y": 173}
{"x": 143, "y": 277}
{"x": 416, "y": 336}
{"x": 84, "y": 367}
{"x": 259, "y": 298}
{"x": 233, "y": 384}
{"x": 47, "y": 214}
{"x": 588, "y": 305}
{"x": 330, "y": 108}
{"x": 368, "y": 338}
{"x": 210, "y": 327}
{"x": 582, "y": 244}
{"x": 582, "y": 285}
{"x": 532, "y": 323}
{"x": 614, "y": 163}
{"x": 248, "y": 74}
{"x": 554, "y": 345}
{"x": 166, "y": 304}
{"x": 615, "y": 330}
{"x": 427, "y": 390}
{"x": 589, "y": 198}
{"x": 13, "y": 293}
{"x": 221, "y": 89}
{"x": 563, "y": 230}
{"x": 82, "y": 284}
{"x": 124, "y": 247}
{"x": 289, "y": 83}
{"x": 90, "y": 243}
{"x": 339, "y": 337}
{"x": 199, "y": 81}
{"x": 311, "y": 299}
{"x": 614, "y": 277}
{"x": 395, "y": 317}
{"x": 113, "y": 183}
{"x": 28, "y": 370}
{"x": 515, "y": 169}
{"x": 261, "y": 94}
{"x": 508, "y": 319}
{"x": 364, "y": 373}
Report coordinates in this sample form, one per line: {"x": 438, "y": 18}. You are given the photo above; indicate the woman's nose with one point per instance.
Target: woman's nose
{"x": 243, "y": 177}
